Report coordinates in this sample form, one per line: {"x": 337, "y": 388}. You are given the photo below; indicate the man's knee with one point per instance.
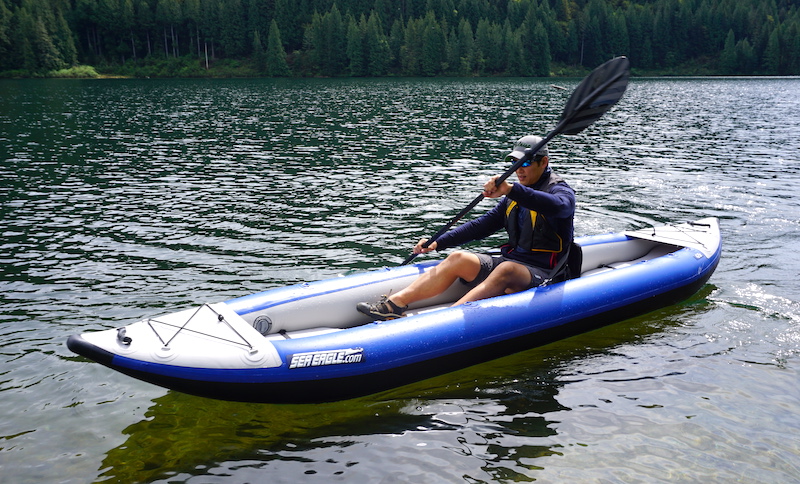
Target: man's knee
{"x": 465, "y": 265}
{"x": 511, "y": 276}
{"x": 460, "y": 257}
{"x": 502, "y": 273}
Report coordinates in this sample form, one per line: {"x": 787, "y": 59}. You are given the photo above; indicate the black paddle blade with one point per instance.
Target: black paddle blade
{"x": 595, "y": 95}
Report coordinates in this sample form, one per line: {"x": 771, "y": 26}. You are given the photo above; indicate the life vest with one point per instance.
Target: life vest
{"x": 529, "y": 230}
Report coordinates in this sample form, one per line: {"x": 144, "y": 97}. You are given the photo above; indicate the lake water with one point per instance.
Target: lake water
{"x": 129, "y": 198}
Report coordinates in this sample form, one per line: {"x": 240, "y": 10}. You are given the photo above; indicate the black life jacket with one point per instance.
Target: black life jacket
{"x": 529, "y": 230}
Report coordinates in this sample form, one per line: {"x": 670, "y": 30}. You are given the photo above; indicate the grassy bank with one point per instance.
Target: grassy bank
{"x": 192, "y": 67}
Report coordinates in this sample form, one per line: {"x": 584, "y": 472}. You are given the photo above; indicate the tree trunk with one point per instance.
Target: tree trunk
{"x": 174, "y": 41}
{"x": 133, "y": 45}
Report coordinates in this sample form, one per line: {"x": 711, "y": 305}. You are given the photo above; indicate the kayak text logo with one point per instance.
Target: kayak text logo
{"x": 324, "y": 358}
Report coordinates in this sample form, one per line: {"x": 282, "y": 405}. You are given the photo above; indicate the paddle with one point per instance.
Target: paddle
{"x": 595, "y": 95}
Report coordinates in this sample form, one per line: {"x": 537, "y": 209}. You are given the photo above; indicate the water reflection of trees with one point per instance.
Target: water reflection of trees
{"x": 494, "y": 420}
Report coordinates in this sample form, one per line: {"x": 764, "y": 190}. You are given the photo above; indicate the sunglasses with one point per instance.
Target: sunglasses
{"x": 527, "y": 163}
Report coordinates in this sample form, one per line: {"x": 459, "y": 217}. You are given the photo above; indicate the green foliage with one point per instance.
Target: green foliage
{"x": 75, "y": 72}
{"x": 188, "y": 66}
{"x": 385, "y": 37}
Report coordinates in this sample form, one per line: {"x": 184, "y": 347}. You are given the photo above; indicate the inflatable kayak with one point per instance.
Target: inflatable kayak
{"x": 307, "y": 343}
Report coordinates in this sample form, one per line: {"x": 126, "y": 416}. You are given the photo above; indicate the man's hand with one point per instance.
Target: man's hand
{"x": 419, "y": 249}
{"x": 492, "y": 191}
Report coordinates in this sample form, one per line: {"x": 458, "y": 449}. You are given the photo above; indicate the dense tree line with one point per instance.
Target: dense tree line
{"x": 402, "y": 37}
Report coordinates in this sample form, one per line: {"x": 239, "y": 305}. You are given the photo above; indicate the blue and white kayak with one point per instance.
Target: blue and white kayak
{"x": 307, "y": 342}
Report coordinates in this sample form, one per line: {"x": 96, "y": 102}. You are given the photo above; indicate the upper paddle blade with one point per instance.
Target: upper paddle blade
{"x": 595, "y": 95}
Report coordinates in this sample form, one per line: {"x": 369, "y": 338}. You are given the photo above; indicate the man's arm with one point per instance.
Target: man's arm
{"x": 559, "y": 204}
{"x": 477, "y": 229}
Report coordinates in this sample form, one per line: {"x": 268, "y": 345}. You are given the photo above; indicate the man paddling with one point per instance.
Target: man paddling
{"x": 538, "y": 215}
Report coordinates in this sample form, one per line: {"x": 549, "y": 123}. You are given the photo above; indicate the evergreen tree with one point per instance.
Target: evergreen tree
{"x": 618, "y": 36}
{"x": 489, "y": 47}
{"x": 518, "y": 60}
{"x": 145, "y": 23}
{"x": 376, "y": 45}
{"x": 540, "y": 45}
{"x": 596, "y": 33}
{"x": 167, "y": 15}
{"x": 388, "y": 10}
{"x": 287, "y": 15}
{"x": 536, "y": 43}
{"x": 573, "y": 48}
{"x": 357, "y": 8}
{"x": 45, "y": 50}
{"x": 276, "y": 55}
{"x": 593, "y": 53}
{"x": 25, "y": 51}
{"x": 411, "y": 9}
{"x": 191, "y": 25}
{"x": 38, "y": 52}
{"x": 563, "y": 10}
{"x": 126, "y": 22}
{"x": 259, "y": 54}
{"x": 233, "y": 33}
{"x": 396, "y": 39}
{"x": 728, "y": 61}
{"x": 5, "y": 36}
{"x": 639, "y": 25}
{"x": 791, "y": 53}
{"x": 434, "y": 46}
{"x": 259, "y": 14}
{"x": 443, "y": 10}
{"x": 63, "y": 40}
{"x": 411, "y": 50}
{"x": 772, "y": 55}
{"x": 747, "y": 62}
{"x": 466, "y": 49}
{"x": 335, "y": 38}
{"x": 313, "y": 38}
{"x": 326, "y": 40}
{"x": 355, "y": 48}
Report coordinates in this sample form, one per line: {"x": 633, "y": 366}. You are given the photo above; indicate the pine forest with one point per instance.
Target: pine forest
{"x": 373, "y": 38}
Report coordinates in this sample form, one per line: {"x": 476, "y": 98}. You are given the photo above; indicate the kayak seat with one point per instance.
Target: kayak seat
{"x": 658, "y": 251}
{"x": 574, "y": 261}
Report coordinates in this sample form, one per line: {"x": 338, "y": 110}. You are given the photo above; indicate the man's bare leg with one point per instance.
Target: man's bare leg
{"x": 459, "y": 264}
{"x": 507, "y": 278}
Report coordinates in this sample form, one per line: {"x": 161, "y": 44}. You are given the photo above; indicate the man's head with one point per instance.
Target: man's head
{"x": 530, "y": 171}
{"x": 524, "y": 143}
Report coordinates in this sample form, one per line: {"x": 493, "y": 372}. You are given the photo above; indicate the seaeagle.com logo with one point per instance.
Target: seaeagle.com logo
{"x": 325, "y": 358}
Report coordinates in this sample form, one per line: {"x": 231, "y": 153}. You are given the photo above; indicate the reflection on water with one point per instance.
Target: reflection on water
{"x": 121, "y": 199}
{"x": 492, "y": 421}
